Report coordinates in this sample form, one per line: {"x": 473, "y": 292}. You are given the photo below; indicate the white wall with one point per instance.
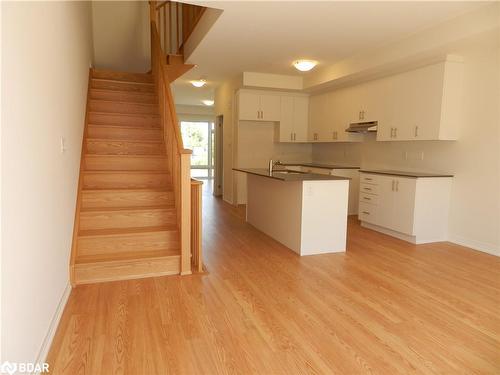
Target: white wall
{"x": 121, "y": 35}
{"x": 46, "y": 52}
{"x": 474, "y": 159}
{"x": 257, "y": 145}
{"x": 224, "y": 105}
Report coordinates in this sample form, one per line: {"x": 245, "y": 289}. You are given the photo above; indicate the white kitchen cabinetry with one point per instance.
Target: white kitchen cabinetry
{"x": 294, "y": 119}
{"x": 426, "y": 103}
{"x": 420, "y": 104}
{"x": 329, "y": 117}
{"x": 414, "y": 209}
{"x": 258, "y": 106}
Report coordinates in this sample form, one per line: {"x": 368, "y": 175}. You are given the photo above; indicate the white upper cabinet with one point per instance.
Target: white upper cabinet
{"x": 330, "y": 115}
{"x": 270, "y": 107}
{"x": 294, "y": 119}
{"x": 290, "y": 110}
{"x": 249, "y": 106}
{"x": 426, "y": 104}
{"x": 255, "y": 106}
{"x": 420, "y": 104}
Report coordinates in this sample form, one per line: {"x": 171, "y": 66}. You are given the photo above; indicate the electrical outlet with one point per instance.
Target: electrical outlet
{"x": 413, "y": 155}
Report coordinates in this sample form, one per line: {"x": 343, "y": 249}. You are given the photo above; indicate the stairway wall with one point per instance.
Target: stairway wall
{"x": 121, "y": 35}
{"x": 46, "y": 52}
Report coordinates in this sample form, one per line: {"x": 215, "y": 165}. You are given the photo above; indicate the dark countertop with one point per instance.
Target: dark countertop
{"x": 289, "y": 176}
{"x": 404, "y": 173}
{"x": 319, "y": 165}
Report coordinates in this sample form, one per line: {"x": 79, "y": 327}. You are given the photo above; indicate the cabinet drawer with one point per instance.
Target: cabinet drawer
{"x": 368, "y": 189}
{"x": 368, "y": 198}
{"x": 368, "y": 212}
{"x": 368, "y": 179}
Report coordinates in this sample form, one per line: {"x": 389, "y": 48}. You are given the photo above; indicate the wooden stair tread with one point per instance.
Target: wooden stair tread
{"x": 125, "y": 231}
{"x": 130, "y": 256}
{"x": 123, "y": 140}
{"x": 124, "y": 126}
{"x": 122, "y": 81}
{"x": 156, "y": 116}
{"x": 130, "y": 190}
{"x": 128, "y": 208}
{"x": 124, "y": 92}
{"x": 100, "y": 156}
{"x": 122, "y": 75}
{"x": 114, "y": 171}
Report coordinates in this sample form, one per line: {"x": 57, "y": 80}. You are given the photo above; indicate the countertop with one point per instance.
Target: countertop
{"x": 289, "y": 176}
{"x": 404, "y": 173}
{"x": 319, "y": 165}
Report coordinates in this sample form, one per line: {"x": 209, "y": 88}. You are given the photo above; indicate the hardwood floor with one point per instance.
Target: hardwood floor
{"x": 385, "y": 307}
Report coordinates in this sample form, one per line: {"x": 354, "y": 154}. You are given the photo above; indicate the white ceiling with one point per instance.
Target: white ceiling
{"x": 267, "y": 36}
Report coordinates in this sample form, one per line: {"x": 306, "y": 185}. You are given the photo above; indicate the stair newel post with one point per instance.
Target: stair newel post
{"x": 185, "y": 208}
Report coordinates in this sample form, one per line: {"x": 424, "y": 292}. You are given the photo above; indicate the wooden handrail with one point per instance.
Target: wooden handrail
{"x": 178, "y": 158}
{"x": 196, "y": 230}
{"x": 175, "y": 23}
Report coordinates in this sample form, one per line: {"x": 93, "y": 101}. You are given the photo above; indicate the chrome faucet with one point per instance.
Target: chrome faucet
{"x": 272, "y": 164}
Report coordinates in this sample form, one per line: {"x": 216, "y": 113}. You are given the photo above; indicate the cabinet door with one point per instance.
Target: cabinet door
{"x": 270, "y": 105}
{"x": 249, "y": 106}
{"x": 427, "y": 96}
{"x": 317, "y": 114}
{"x": 403, "y": 205}
{"x": 385, "y": 201}
{"x": 343, "y": 100}
{"x": 300, "y": 118}
{"x": 286, "y": 120}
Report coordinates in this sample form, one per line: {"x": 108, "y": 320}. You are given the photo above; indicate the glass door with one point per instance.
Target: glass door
{"x": 198, "y": 136}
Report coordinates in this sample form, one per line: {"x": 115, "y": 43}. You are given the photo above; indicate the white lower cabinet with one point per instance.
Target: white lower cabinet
{"x": 410, "y": 208}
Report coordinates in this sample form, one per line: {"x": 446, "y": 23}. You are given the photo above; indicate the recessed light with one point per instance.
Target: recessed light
{"x": 304, "y": 65}
{"x": 208, "y": 102}
{"x": 199, "y": 82}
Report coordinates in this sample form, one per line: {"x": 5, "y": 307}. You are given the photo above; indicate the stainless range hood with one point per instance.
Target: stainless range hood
{"x": 362, "y": 127}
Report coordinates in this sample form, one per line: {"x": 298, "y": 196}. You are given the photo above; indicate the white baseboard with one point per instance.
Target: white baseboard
{"x": 476, "y": 245}
{"x": 47, "y": 342}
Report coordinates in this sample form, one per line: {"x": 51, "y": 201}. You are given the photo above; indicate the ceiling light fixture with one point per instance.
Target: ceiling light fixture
{"x": 304, "y": 65}
{"x": 208, "y": 102}
{"x": 199, "y": 82}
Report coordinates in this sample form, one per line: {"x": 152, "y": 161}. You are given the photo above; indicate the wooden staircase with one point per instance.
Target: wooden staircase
{"x": 138, "y": 212}
{"x": 127, "y": 222}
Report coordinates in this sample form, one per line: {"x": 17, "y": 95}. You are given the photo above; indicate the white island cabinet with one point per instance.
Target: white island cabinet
{"x": 305, "y": 212}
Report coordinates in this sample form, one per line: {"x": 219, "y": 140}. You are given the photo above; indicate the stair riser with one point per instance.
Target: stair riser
{"x": 123, "y": 96}
{"x": 123, "y": 76}
{"x": 106, "y": 245}
{"x": 124, "y": 270}
{"x": 124, "y": 120}
{"x": 115, "y": 133}
{"x": 116, "y": 198}
{"x": 118, "y": 107}
{"x": 124, "y": 148}
{"x": 126, "y": 219}
{"x": 124, "y": 163}
{"x": 122, "y": 86}
{"x": 122, "y": 181}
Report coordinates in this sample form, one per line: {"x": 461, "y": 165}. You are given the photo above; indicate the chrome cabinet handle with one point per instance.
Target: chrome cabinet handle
{"x": 397, "y": 185}
{"x": 366, "y": 212}
{"x": 392, "y": 188}
{"x": 366, "y": 198}
{"x": 291, "y": 136}
{"x": 416, "y": 131}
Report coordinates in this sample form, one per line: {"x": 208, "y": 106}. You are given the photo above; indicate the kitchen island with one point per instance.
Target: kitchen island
{"x": 306, "y": 212}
